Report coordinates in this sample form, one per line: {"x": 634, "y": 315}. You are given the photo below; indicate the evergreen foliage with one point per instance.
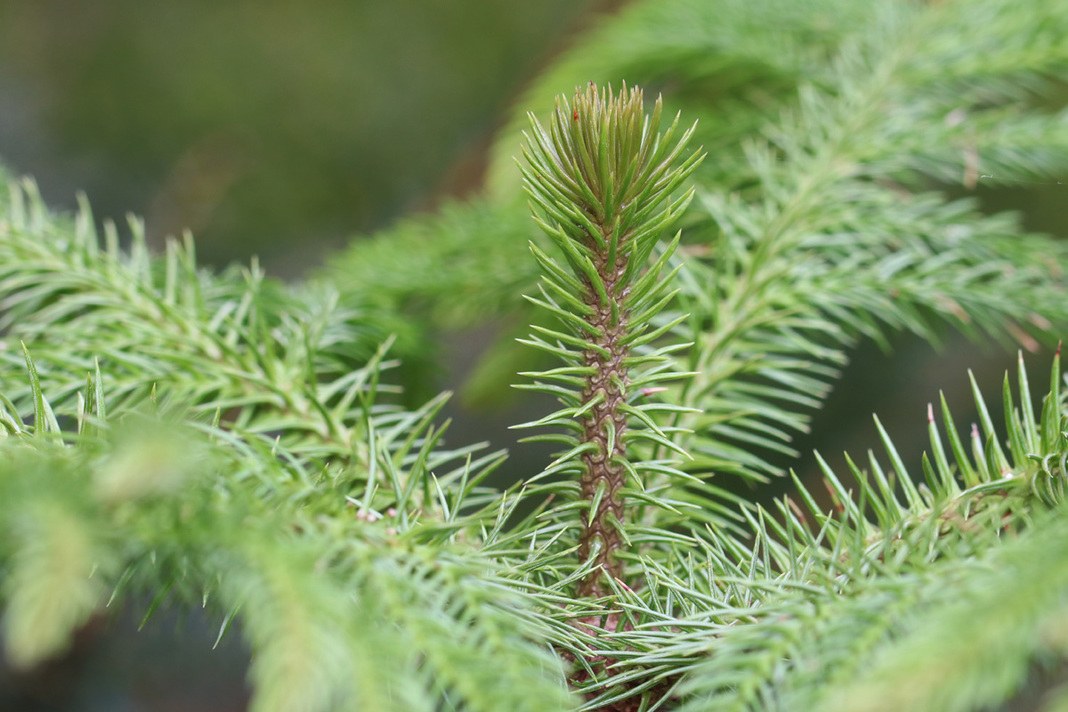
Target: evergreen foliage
{"x": 603, "y": 175}
{"x": 226, "y": 441}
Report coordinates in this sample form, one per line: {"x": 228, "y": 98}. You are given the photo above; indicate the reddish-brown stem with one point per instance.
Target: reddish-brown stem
{"x": 601, "y": 539}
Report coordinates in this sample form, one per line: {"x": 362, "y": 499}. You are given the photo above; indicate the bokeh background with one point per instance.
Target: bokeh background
{"x": 274, "y": 127}
{"x": 283, "y": 129}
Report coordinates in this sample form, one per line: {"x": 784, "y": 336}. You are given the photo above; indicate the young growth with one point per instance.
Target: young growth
{"x": 601, "y": 178}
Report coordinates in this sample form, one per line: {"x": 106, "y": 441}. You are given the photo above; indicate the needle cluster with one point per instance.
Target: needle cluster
{"x": 603, "y": 183}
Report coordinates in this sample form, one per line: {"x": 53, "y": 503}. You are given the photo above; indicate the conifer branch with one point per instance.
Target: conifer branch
{"x": 603, "y": 177}
{"x": 370, "y": 566}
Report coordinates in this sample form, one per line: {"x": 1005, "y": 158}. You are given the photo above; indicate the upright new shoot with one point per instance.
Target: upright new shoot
{"x": 602, "y": 180}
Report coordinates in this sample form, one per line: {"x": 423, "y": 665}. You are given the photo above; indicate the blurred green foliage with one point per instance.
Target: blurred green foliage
{"x": 274, "y": 127}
